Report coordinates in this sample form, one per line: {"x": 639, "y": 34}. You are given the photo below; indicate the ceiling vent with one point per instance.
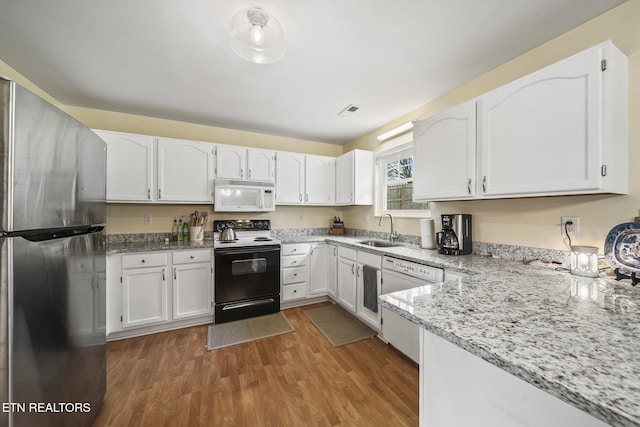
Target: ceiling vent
{"x": 348, "y": 110}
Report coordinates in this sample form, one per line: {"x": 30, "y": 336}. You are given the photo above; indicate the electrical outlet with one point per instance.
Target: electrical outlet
{"x": 148, "y": 219}
{"x": 572, "y": 229}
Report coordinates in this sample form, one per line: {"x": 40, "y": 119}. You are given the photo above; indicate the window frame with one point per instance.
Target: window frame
{"x": 381, "y": 159}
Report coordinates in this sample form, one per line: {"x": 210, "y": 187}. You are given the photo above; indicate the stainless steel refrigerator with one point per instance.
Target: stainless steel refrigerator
{"x": 52, "y": 265}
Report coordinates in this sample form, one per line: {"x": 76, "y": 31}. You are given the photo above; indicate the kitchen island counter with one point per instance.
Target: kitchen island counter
{"x": 575, "y": 338}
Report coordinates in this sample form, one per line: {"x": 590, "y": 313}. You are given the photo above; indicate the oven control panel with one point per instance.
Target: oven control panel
{"x": 242, "y": 224}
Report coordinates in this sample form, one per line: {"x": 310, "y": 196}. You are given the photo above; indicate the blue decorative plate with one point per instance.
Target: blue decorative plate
{"x": 622, "y": 247}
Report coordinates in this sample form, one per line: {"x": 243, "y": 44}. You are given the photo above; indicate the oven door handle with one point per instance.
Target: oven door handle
{"x": 245, "y": 304}
{"x": 246, "y": 250}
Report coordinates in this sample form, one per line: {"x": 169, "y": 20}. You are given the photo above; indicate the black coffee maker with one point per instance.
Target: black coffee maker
{"x": 455, "y": 237}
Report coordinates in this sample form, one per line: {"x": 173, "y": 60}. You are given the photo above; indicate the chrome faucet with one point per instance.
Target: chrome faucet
{"x": 392, "y": 236}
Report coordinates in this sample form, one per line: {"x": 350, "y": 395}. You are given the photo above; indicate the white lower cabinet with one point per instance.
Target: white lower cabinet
{"x": 155, "y": 291}
{"x": 332, "y": 271}
{"x": 318, "y": 269}
{"x": 192, "y": 284}
{"x": 347, "y": 278}
{"x": 367, "y": 293}
{"x": 295, "y": 271}
{"x": 144, "y": 296}
{"x": 144, "y": 289}
{"x": 450, "y": 375}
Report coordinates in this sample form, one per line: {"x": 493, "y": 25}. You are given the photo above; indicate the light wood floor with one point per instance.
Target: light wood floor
{"x": 293, "y": 379}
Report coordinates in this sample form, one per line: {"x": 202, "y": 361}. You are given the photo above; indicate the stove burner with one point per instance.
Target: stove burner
{"x": 262, "y": 239}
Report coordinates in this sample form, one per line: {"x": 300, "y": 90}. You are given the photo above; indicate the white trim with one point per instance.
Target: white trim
{"x": 383, "y": 157}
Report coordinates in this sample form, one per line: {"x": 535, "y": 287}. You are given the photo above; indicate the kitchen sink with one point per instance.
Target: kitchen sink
{"x": 379, "y": 243}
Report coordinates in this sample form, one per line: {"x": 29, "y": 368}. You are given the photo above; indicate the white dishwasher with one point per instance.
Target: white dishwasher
{"x": 398, "y": 275}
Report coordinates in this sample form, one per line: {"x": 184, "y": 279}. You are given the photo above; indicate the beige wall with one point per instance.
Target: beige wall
{"x": 536, "y": 221}
{"x": 124, "y": 218}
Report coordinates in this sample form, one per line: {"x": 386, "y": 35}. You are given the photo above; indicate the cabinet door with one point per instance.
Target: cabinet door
{"x": 332, "y": 271}
{"x": 231, "y": 161}
{"x": 261, "y": 165}
{"x": 444, "y": 155}
{"x": 192, "y": 290}
{"x": 542, "y": 134}
{"x": 318, "y": 270}
{"x": 130, "y": 170}
{"x": 344, "y": 179}
{"x": 320, "y": 180}
{"x": 347, "y": 284}
{"x": 144, "y": 297}
{"x": 364, "y": 313}
{"x": 185, "y": 171}
{"x": 289, "y": 178}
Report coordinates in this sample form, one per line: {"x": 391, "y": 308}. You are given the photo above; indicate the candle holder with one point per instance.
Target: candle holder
{"x": 584, "y": 261}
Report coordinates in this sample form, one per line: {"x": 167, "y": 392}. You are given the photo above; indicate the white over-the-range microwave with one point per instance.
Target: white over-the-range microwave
{"x": 243, "y": 196}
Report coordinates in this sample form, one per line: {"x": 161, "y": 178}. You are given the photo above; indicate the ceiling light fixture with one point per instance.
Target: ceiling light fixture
{"x": 257, "y": 36}
{"x": 395, "y": 132}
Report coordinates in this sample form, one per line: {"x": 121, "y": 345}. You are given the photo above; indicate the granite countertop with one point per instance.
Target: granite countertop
{"x": 151, "y": 246}
{"x": 575, "y": 338}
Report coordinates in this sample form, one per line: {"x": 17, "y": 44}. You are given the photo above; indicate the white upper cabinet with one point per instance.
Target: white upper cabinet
{"x": 444, "y": 154}
{"x": 145, "y": 169}
{"x": 261, "y": 164}
{"x": 562, "y": 130}
{"x": 354, "y": 178}
{"x": 289, "y": 178}
{"x": 254, "y": 164}
{"x": 130, "y": 167}
{"x": 320, "y": 180}
{"x": 231, "y": 162}
{"x": 556, "y": 131}
{"x": 185, "y": 171}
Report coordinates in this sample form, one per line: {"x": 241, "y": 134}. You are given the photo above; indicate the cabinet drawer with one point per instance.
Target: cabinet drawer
{"x": 200, "y": 255}
{"x": 370, "y": 259}
{"x": 347, "y": 253}
{"x": 291, "y": 292}
{"x": 294, "y": 275}
{"x": 294, "y": 261}
{"x": 144, "y": 260}
{"x": 295, "y": 249}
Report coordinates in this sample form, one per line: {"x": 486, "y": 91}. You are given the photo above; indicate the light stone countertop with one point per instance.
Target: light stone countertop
{"x": 529, "y": 321}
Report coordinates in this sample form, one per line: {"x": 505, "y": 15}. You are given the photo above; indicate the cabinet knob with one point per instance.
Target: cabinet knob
{"x": 484, "y": 184}
{"x": 294, "y": 262}
{"x": 143, "y": 261}
{"x": 192, "y": 257}
{"x": 469, "y": 186}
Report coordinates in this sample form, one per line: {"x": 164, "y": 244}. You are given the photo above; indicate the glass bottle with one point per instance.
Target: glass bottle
{"x": 174, "y": 230}
{"x": 179, "y": 230}
{"x": 185, "y": 231}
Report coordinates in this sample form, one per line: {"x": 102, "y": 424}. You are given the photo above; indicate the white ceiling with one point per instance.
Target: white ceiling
{"x": 171, "y": 58}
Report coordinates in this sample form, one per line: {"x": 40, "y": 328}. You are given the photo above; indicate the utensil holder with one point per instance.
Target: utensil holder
{"x": 196, "y": 233}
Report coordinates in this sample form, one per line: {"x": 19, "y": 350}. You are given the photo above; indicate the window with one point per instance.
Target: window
{"x": 394, "y": 173}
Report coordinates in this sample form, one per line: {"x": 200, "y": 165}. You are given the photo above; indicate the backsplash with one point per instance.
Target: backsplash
{"x": 517, "y": 253}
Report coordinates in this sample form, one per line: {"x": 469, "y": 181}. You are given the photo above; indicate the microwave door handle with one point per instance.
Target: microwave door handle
{"x": 261, "y": 199}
